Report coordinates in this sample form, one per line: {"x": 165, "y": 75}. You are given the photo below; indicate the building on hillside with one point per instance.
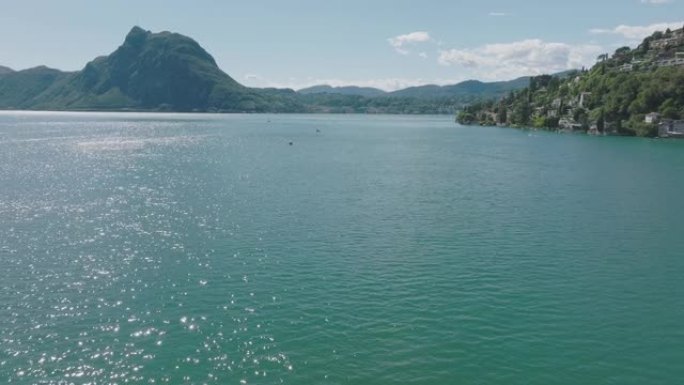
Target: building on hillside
{"x": 669, "y": 128}
{"x": 676, "y": 38}
{"x": 634, "y": 65}
{"x": 652, "y": 118}
{"x": 593, "y": 130}
{"x": 676, "y": 61}
{"x": 567, "y": 124}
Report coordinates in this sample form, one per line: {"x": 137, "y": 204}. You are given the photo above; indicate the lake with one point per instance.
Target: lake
{"x": 333, "y": 249}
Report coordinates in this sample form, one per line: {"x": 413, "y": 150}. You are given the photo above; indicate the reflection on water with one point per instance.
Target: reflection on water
{"x": 155, "y": 248}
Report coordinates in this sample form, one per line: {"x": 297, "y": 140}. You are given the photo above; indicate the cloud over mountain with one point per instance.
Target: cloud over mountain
{"x": 525, "y": 57}
{"x": 637, "y": 31}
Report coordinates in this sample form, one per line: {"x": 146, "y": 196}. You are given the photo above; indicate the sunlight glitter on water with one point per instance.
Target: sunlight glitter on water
{"x": 161, "y": 249}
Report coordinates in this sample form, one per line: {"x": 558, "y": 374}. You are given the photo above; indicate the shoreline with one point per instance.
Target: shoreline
{"x": 566, "y": 132}
{"x": 3, "y": 110}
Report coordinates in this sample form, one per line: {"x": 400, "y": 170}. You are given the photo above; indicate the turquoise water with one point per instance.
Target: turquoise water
{"x": 152, "y": 248}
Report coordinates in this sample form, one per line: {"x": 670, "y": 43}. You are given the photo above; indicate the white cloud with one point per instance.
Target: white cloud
{"x": 656, "y": 2}
{"x": 497, "y": 13}
{"x": 526, "y": 57}
{"x": 400, "y": 42}
{"x": 637, "y": 31}
{"x": 423, "y": 55}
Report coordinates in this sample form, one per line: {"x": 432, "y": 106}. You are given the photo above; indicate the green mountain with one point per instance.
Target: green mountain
{"x": 467, "y": 89}
{"x": 470, "y": 89}
{"x": 613, "y": 97}
{"x": 429, "y": 99}
{"x": 154, "y": 71}
{"x": 170, "y": 72}
{"x": 5, "y": 70}
{"x": 19, "y": 88}
{"x": 149, "y": 71}
{"x": 349, "y": 90}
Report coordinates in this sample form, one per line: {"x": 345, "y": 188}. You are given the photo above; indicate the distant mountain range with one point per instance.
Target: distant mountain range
{"x": 5, "y": 70}
{"x": 467, "y": 88}
{"x": 348, "y": 90}
{"x": 170, "y": 72}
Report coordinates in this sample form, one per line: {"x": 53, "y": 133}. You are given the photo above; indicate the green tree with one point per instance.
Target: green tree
{"x": 502, "y": 113}
{"x": 669, "y": 109}
{"x": 601, "y": 121}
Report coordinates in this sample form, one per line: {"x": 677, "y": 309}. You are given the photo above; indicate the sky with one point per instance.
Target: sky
{"x": 388, "y": 44}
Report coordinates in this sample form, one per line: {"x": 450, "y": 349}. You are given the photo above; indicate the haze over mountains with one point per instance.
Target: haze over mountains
{"x": 346, "y": 90}
{"x": 429, "y": 91}
{"x": 170, "y": 72}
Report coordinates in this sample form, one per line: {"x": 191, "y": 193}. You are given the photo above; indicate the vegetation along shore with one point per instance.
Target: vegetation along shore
{"x": 633, "y": 92}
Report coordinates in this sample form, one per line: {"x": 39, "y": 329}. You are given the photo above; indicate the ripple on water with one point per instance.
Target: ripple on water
{"x": 163, "y": 249}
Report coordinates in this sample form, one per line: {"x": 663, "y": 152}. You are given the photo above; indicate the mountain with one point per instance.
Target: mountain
{"x": 19, "y": 88}
{"x": 154, "y": 71}
{"x": 349, "y": 90}
{"x": 5, "y": 70}
{"x": 167, "y": 71}
{"x": 469, "y": 88}
{"x": 149, "y": 71}
{"x": 429, "y": 99}
{"x": 623, "y": 94}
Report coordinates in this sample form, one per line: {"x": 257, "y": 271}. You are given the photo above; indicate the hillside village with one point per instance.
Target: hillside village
{"x": 631, "y": 92}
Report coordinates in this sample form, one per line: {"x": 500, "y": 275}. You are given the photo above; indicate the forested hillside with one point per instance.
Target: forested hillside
{"x": 612, "y": 97}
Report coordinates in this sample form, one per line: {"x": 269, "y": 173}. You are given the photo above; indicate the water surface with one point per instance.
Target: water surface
{"x": 164, "y": 248}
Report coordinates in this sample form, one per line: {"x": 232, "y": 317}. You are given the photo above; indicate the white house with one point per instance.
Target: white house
{"x": 652, "y": 118}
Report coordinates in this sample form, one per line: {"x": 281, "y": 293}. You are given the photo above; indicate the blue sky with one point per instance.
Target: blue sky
{"x": 388, "y": 44}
